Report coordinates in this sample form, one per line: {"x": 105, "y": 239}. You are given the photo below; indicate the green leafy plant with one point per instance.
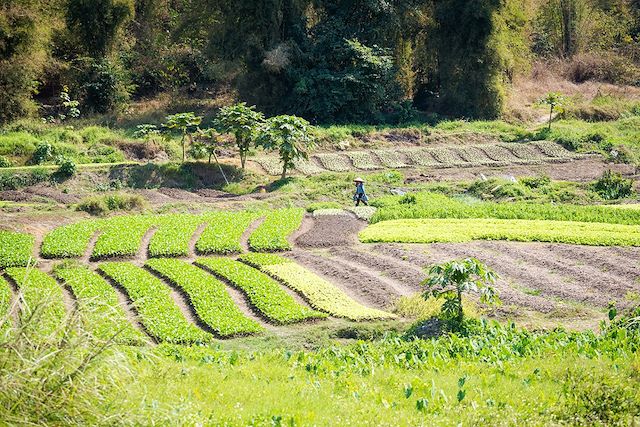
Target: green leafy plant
{"x": 244, "y": 123}
{"x": 223, "y": 232}
{"x": 42, "y": 298}
{"x": 612, "y": 186}
{"x": 272, "y": 234}
{"x": 66, "y": 168}
{"x": 291, "y": 136}
{"x": 451, "y": 279}
{"x": 208, "y": 142}
{"x": 185, "y": 123}
{"x": 4, "y": 162}
{"x": 555, "y": 101}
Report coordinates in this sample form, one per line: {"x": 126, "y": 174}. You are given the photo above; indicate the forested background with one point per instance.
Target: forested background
{"x": 330, "y": 61}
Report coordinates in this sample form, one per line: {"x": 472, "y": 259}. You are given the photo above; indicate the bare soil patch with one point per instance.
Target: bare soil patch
{"x": 331, "y": 231}
{"x": 53, "y": 193}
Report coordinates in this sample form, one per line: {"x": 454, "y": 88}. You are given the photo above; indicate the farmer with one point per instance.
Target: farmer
{"x": 360, "y": 195}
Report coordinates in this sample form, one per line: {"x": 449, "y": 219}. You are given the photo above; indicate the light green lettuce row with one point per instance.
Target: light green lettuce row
{"x": 223, "y": 232}
{"x": 321, "y": 294}
{"x": 99, "y": 306}
{"x": 464, "y": 230}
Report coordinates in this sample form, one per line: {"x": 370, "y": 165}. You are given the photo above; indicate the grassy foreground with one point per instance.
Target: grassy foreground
{"x": 490, "y": 374}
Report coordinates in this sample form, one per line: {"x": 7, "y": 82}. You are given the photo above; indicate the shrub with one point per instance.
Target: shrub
{"x": 100, "y": 205}
{"x": 4, "y": 162}
{"x": 611, "y": 186}
{"x": 43, "y": 153}
{"x": 66, "y": 168}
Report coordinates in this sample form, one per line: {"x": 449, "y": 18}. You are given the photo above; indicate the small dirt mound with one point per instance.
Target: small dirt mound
{"x": 330, "y": 231}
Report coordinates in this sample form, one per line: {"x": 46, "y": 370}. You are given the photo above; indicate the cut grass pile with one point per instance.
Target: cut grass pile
{"x": 208, "y": 297}
{"x": 15, "y": 249}
{"x": 42, "y": 300}
{"x": 99, "y": 307}
{"x": 321, "y": 294}
{"x": 272, "y": 234}
{"x": 152, "y": 299}
{"x": 463, "y": 230}
{"x": 444, "y": 156}
{"x": 433, "y": 205}
{"x": 264, "y": 293}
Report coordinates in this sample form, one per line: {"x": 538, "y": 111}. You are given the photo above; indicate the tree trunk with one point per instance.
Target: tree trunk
{"x": 210, "y": 158}
{"x": 284, "y": 172}
{"x": 184, "y": 154}
{"x": 460, "y": 311}
{"x": 243, "y": 157}
{"x": 550, "y": 117}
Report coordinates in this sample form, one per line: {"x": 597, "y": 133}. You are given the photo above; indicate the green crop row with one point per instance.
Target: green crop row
{"x": 272, "y": 234}
{"x": 153, "y": 301}
{"x": 223, "y": 232}
{"x": 173, "y": 235}
{"x": 463, "y": 230}
{"x": 321, "y": 294}
{"x": 16, "y": 249}
{"x": 42, "y": 308}
{"x": 264, "y": 293}
{"x": 122, "y": 236}
{"x": 208, "y": 297}
{"x": 69, "y": 241}
{"x": 99, "y": 307}
{"x": 432, "y": 205}
{"x": 5, "y": 306}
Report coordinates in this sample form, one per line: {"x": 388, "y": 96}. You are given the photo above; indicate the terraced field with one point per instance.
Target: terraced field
{"x": 143, "y": 278}
{"x": 440, "y": 156}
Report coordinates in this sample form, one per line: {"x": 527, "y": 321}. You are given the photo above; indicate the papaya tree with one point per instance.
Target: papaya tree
{"x": 291, "y": 136}
{"x": 555, "y": 101}
{"x": 243, "y": 123}
{"x": 185, "y": 123}
{"x": 451, "y": 279}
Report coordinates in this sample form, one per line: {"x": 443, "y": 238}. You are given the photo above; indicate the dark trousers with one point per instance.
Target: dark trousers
{"x": 360, "y": 199}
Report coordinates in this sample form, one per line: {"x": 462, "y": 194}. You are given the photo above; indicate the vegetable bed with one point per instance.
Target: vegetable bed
{"x": 264, "y": 293}
{"x": 321, "y": 294}
{"x": 99, "y": 306}
{"x": 463, "y": 230}
{"x": 15, "y": 249}
{"x": 152, "y": 299}
{"x": 208, "y": 296}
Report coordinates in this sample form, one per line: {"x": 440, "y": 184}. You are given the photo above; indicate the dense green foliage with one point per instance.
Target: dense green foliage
{"x": 208, "y": 296}
{"x": 320, "y": 294}
{"x": 464, "y": 230}
{"x": 152, "y": 300}
{"x": 15, "y": 249}
{"x": 173, "y": 235}
{"x": 327, "y": 60}
{"x": 122, "y": 236}
{"x": 99, "y": 307}
{"x": 70, "y": 240}
{"x": 264, "y": 293}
